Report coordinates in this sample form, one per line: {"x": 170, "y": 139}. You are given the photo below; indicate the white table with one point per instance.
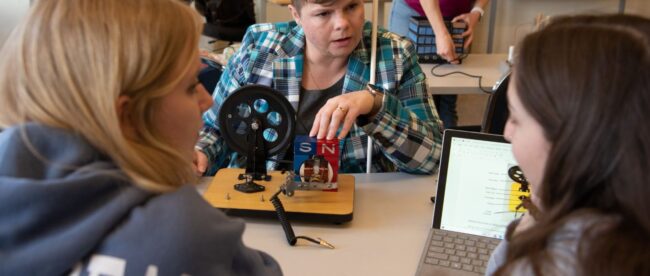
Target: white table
{"x": 491, "y": 66}
{"x": 392, "y": 217}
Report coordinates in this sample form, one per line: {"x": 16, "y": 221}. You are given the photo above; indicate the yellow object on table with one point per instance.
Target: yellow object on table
{"x": 305, "y": 205}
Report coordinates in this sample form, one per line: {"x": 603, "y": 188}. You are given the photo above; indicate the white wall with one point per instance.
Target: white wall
{"x": 514, "y": 18}
{"x": 11, "y": 11}
{"x": 640, "y": 7}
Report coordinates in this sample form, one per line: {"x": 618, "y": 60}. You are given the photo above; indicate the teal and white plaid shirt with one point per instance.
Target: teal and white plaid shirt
{"x": 406, "y": 131}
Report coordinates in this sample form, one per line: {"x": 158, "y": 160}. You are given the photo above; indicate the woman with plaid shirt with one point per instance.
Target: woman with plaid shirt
{"x": 321, "y": 63}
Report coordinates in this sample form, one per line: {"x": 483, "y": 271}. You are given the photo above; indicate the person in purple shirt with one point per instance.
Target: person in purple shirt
{"x": 436, "y": 12}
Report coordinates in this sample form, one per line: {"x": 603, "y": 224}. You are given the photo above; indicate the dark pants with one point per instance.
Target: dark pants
{"x": 446, "y": 106}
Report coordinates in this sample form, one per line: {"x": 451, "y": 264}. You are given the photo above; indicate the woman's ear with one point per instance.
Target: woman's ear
{"x": 122, "y": 106}
{"x": 295, "y": 13}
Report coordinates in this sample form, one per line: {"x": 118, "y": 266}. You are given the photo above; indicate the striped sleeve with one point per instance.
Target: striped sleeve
{"x": 407, "y": 127}
{"x": 211, "y": 142}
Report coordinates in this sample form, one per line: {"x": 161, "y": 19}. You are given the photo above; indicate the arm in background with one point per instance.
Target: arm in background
{"x": 444, "y": 43}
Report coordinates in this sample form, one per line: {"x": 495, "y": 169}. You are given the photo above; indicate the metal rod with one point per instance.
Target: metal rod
{"x": 621, "y": 6}
{"x": 373, "y": 69}
{"x": 493, "y": 19}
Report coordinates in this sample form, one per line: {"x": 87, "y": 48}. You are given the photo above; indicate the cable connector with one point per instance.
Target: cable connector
{"x": 325, "y": 244}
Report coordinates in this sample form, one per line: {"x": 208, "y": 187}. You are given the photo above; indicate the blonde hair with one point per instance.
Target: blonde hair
{"x": 66, "y": 65}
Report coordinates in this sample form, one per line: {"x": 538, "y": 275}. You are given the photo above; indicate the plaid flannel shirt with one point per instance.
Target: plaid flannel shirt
{"x": 406, "y": 131}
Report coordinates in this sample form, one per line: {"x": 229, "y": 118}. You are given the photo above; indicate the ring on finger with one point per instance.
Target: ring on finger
{"x": 342, "y": 109}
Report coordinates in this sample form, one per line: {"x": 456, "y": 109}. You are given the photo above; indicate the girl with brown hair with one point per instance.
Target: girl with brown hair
{"x": 579, "y": 130}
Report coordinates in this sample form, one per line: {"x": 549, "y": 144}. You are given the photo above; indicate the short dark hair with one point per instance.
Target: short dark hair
{"x": 298, "y": 3}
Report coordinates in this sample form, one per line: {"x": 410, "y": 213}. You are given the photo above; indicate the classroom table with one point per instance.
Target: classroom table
{"x": 392, "y": 217}
{"x": 491, "y": 67}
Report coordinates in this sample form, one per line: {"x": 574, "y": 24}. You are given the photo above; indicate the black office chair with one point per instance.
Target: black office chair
{"x": 496, "y": 112}
{"x": 210, "y": 75}
{"x": 226, "y": 19}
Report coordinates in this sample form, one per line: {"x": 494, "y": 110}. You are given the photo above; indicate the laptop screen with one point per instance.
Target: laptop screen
{"x": 475, "y": 195}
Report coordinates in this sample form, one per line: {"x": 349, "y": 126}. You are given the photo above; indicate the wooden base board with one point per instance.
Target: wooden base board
{"x": 322, "y": 206}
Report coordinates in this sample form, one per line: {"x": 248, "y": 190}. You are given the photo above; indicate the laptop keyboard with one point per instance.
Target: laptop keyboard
{"x": 459, "y": 251}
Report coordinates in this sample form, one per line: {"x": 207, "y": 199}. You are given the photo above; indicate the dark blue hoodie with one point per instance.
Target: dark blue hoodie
{"x": 71, "y": 210}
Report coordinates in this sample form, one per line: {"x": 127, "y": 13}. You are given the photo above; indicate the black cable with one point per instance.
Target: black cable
{"x": 460, "y": 72}
{"x": 282, "y": 216}
{"x": 288, "y": 230}
{"x": 292, "y": 239}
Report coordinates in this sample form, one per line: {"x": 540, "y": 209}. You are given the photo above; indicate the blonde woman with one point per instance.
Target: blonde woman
{"x": 101, "y": 109}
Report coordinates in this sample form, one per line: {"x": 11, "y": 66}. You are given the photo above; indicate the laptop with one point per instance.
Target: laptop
{"x": 475, "y": 202}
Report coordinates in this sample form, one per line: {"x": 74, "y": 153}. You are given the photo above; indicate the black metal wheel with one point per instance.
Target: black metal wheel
{"x": 257, "y": 107}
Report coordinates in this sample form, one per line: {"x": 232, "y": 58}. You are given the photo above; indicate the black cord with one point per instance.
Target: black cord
{"x": 460, "y": 72}
{"x": 282, "y": 216}
{"x": 288, "y": 230}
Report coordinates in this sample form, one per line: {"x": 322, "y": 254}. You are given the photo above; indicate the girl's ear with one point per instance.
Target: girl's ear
{"x": 126, "y": 124}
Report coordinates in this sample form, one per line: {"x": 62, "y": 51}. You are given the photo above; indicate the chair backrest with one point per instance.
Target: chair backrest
{"x": 496, "y": 112}
{"x": 226, "y": 19}
{"x": 210, "y": 74}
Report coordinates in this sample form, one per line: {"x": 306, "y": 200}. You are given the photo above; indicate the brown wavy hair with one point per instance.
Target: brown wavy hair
{"x": 588, "y": 85}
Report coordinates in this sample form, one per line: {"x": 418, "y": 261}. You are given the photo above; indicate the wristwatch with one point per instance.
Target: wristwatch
{"x": 374, "y": 91}
{"x": 479, "y": 10}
